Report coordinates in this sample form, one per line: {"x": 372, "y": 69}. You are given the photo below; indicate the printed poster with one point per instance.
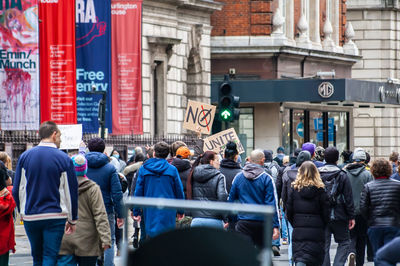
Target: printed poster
{"x": 126, "y": 67}
{"x": 19, "y": 65}
{"x": 57, "y": 61}
{"x": 93, "y": 55}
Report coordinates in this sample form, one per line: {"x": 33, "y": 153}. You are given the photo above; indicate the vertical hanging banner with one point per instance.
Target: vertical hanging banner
{"x": 93, "y": 55}
{"x": 127, "y": 66}
{"x": 57, "y": 61}
{"x": 19, "y": 65}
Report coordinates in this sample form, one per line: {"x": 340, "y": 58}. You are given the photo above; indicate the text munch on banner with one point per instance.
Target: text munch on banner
{"x": 217, "y": 142}
{"x": 199, "y": 115}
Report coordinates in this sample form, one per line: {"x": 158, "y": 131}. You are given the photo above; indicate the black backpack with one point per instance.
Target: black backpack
{"x": 331, "y": 189}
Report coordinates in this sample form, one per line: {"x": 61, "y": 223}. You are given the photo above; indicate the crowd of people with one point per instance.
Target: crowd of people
{"x": 71, "y": 203}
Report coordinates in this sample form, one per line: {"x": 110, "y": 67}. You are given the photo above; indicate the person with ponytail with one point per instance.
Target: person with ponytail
{"x": 206, "y": 183}
{"x": 229, "y": 165}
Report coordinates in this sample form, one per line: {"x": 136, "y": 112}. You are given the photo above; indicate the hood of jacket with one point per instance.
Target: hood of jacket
{"x": 229, "y": 163}
{"x": 96, "y": 159}
{"x": 84, "y": 184}
{"x": 204, "y": 172}
{"x": 132, "y": 168}
{"x": 355, "y": 168}
{"x": 308, "y": 192}
{"x": 156, "y": 165}
{"x": 252, "y": 171}
{"x": 329, "y": 171}
{"x": 181, "y": 164}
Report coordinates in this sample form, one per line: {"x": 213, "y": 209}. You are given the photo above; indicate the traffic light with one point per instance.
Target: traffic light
{"x": 228, "y": 104}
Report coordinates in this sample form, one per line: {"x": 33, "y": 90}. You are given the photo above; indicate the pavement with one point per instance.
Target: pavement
{"x": 22, "y": 255}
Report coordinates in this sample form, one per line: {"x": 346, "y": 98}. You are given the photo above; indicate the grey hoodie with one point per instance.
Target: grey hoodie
{"x": 358, "y": 177}
{"x": 252, "y": 171}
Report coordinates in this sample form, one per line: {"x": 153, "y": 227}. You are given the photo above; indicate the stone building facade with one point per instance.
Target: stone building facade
{"x": 377, "y": 35}
{"x": 176, "y": 61}
{"x": 275, "y": 39}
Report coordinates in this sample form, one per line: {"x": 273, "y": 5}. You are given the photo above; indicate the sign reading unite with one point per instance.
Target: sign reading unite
{"x": 199, "y": 115}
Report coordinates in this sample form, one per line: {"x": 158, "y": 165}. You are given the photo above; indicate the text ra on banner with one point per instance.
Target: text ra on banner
{"x": 217, "y": 142}
{"x": 199, "y": 115}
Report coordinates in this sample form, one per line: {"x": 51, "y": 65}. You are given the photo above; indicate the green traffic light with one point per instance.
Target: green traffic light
{"x": 226, "y": 114}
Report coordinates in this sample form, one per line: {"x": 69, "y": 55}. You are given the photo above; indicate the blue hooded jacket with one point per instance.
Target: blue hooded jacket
{"x": 158, "y": 179}
{"x": 105, "y": 175}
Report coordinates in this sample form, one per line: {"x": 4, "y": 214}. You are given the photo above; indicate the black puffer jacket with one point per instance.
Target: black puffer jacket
{"x": 307, "y": 210}
{"x": 229, "y": 168}
{"x": 208, "y": 185}
{"x": 380, "y": 202}
{"x": 288, "y": 177}
{"x": 184, "y": 168}
{"x": 344, "y": 208}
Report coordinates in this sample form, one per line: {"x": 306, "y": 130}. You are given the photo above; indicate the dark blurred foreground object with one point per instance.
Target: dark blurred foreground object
{"x": 195, "y": 246}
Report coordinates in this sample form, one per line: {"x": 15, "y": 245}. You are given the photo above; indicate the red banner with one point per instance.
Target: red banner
{"x": 126, "y": 50}
{"x": 57, "y": 61}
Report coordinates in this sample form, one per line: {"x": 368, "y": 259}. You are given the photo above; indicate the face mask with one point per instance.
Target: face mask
{"x": 116, "y": 156}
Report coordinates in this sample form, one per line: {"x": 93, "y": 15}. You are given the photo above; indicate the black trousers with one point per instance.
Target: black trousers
{"x": 254, "y": 230}
{"x": 358, "y": 236}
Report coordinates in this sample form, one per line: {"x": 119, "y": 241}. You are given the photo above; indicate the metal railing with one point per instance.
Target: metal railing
{"x": 194, "y": 205}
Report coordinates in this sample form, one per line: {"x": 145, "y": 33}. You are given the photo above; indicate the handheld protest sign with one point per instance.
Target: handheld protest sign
{"x": 217, "y": 142}
{"x": 71, "y": 136}
{"x": 199, "y": 115}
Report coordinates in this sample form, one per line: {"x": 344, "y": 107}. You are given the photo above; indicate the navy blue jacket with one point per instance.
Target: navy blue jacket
{"x": 105, "y": 175}
{"x": 158, "y": 179}
{"x": 45, "y": 184}
{"x": 254, "y": 186}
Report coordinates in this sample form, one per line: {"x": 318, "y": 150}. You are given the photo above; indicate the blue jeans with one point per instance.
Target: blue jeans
{"x": 207, "y": 222}
{"x": 71, "y": 260}
{"x": 109, "y": 253}
{"x": 389, "y": 254}
{"x": 284, "y": 225}
{"x": 380, "y": 236}
{"x": 45, "y": 238}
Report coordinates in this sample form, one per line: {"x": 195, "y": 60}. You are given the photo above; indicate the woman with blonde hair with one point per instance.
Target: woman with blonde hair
{"x": 307, "y": 209}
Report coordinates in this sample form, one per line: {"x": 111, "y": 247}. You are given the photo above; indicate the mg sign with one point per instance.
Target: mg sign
{"x": 326, "y": 90}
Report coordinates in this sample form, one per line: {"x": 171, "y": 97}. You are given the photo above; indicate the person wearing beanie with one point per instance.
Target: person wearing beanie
{"x": 7, "y": 206}
{"x": 271, "y": 166}
{"x": 310, "y": 147}
{"x": 338, "y": 188}
{"x": 358, "y": 176}
{"x": 182, "y": 164}
{"x": 319, "y": 154}
{"x": 104, "y": 174}
{"x": 92, "y": 225}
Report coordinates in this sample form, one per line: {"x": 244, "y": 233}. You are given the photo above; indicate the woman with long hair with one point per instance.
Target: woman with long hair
{"x": 205, "y": 182}
{"x": 307, "y": 210}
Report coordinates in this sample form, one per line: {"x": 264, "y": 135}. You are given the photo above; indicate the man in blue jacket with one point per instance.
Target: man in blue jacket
{"x": 46, "y": 193}
{"x": 254, "y": 186}
{"x": 158, "y": 179}
{"x": 101, "y": 171}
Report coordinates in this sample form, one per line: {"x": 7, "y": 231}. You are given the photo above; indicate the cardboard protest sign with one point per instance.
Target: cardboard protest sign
{"x": 71, "y": 136}
{"x": 199, "y": 115}
{"x": 218, "y": 141}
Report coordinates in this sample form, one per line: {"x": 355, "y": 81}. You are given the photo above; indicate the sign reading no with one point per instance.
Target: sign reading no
{"x": 199, "y": 115}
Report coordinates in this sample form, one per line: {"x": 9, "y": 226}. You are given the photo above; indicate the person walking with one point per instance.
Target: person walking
{"x": 307, "y": 209}
{"x": 254, "y": 186}
{"x": 229, "y": 166}
{"x": 92, "y": 227}
{"x": 7, "y": 206}
{"x": 380, "y": 205}
{"x": 206, "y": 183}
{"x": 101, "y": 171}
{"x": 158, "y": 179}
{"x": 46, "y": 193}
{"x": 358, "y": 177}
{"x": 182, "y": 164}
{"x": 338, "y": 188}
{"x": 310, "y": 147}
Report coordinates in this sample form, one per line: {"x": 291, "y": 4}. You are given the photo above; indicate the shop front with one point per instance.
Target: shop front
{"x": 289, "y": 113}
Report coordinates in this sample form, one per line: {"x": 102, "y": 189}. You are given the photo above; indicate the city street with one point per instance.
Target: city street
{"x": 23, "y": 257}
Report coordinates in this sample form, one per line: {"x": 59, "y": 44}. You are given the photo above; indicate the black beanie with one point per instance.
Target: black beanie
{"x": 302, "y": 157}
{"x": 331, "y": 155}
{"x": 268, "y": 155}
{"x": 96, "y": 144}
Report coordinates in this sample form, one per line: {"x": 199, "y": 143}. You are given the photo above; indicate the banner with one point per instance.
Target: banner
{"x": 57, "y": 61}
{"x": 126, "y": 66}
{"x": 199, "y": 116}
{"x": 93, "y": 61}
{"x": 217, "y": 142}
{"x": 19, "y": 65}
